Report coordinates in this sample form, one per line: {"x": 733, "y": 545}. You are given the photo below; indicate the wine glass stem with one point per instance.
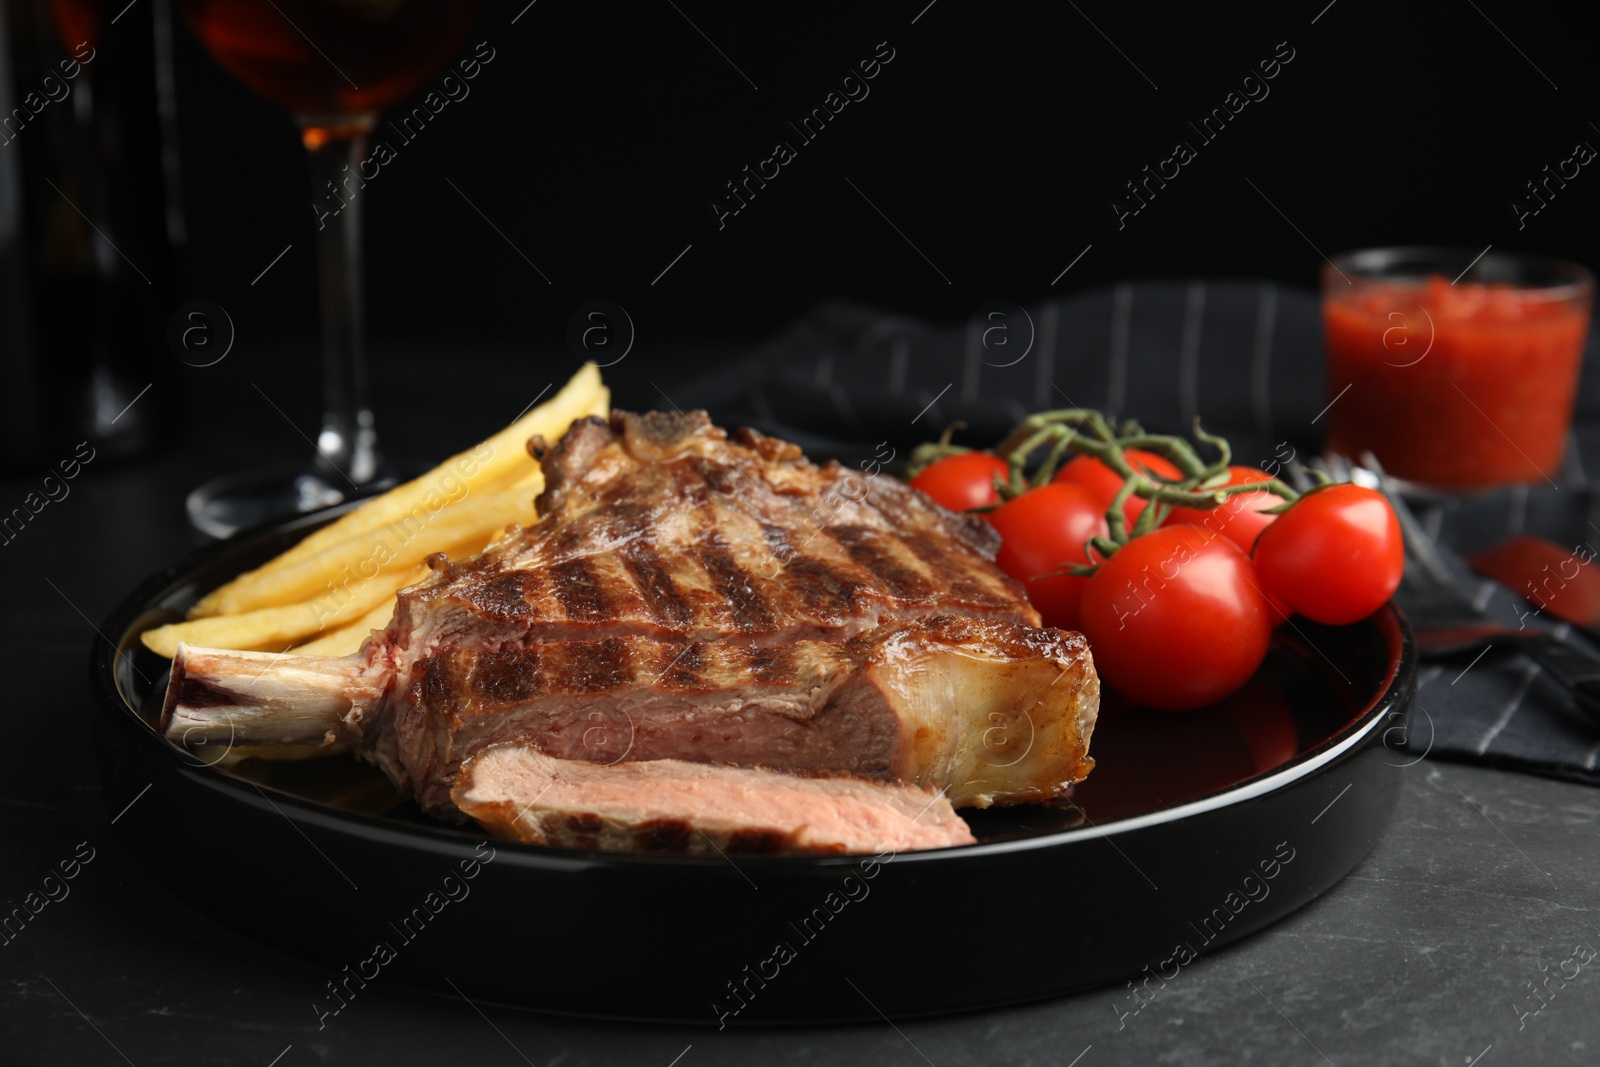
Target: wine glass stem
{"x": 347, "y": 445}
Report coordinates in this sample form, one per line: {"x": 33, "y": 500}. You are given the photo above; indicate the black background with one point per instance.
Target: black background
{"x": 994, "y": 141}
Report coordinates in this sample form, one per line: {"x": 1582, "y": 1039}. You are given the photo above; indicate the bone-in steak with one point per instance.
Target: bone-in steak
{"x": 689, "y": 596}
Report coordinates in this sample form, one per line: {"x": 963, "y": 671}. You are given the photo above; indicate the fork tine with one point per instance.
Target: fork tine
{"x": 1419, "y": 546}
{"x": 1298, "y": 478}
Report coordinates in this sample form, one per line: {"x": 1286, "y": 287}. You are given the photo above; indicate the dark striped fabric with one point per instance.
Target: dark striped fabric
{"x": 1246, "y": 357}
{"x": 1501, "y": 708}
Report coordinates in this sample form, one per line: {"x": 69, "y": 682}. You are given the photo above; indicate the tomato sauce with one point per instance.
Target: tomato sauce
{"x": 1454, "y": 385}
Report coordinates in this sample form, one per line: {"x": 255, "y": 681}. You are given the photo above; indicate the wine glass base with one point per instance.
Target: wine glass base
{"x": 224, "y": 506}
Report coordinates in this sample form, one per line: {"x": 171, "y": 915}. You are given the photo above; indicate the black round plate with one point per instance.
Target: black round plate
{"x": 1195, "y": 830}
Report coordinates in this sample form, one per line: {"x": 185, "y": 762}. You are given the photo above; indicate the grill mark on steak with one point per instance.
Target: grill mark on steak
{"x": 759, "y": 840}
{"x": 661, "y": 594}
{"x": 436, "y": 686}
{"x": 578, "y": 588}
{"x": 818, "y": 585}
{"x": 506, "y": 596}
{"x": 824, "y": 589}
{"x": 769, "y": 664}
{"x": 751, "y": 613}
{"x": 583, "y": 822}
{"x": 594, "y": 667}
{"x": 621, "y": 517}
{"x": 571, "y": 540}
{"x": 509, "y": 674}
{"x": 862, "y": 546}
{"x": 938, "y": 561}
{"x": 663, "y": 835}
{"x": 682, "y": 671}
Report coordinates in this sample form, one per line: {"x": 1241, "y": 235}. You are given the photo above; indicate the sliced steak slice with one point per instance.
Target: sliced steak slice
{"x": 991, "y": 712}
{"x": 520, "y": 793}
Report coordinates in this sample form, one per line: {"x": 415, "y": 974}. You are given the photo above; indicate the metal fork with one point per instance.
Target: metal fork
{"x": 1445, "y": 621}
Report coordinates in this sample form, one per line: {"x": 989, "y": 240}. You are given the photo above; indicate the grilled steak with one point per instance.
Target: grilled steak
{"x": 687, "y": 596}
{"x": 657, "y": 525}
{"x": 520, "y": 793}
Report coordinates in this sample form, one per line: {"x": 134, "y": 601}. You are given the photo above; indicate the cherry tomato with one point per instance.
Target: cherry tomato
{"x": 1280, "y": 608}
{"x": 1241, "y": 521}
{"x": 962, "y": 481}
{"x": 1104, "y": 482}
{"x": 1042, "y": 531}
{"x": 1336, "y": 556}
{"x": 1174, "y": 620}
{"x": 1240, "y": 518}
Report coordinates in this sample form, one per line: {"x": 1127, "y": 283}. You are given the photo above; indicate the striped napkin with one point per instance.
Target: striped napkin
{"x": 1245, "y": 356}
{"x": 1497, "y": 706}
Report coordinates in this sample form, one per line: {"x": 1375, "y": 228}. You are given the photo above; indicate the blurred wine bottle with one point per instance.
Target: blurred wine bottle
{"x": 91, "y": 226}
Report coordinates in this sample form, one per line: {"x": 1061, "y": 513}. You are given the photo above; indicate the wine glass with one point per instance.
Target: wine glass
{"x": 334, "y": 65}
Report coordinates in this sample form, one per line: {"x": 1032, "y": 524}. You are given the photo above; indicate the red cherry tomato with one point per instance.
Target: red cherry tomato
{"x": 1336, "y": 556}
{"x": 963, "y": 481}
{"x": 1042, "y": 531}
{"x": 1240, "y": 518}
{"x": 1280, "y": 608}
{"x": 1174, "y": 619}
{"x": 1104, "y": 482}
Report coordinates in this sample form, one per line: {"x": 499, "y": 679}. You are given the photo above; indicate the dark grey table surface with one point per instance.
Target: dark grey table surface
{"x": 1428, "y": 953}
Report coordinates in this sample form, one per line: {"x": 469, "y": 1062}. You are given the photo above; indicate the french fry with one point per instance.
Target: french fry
{"x": 395, "y": 547}
{"x": 494, "y": 464}
{"x": 348, "y": 639}
{"x": 533, "y": 481}
{"x": 272, "y": 628}
{"x": 334, "y": 588}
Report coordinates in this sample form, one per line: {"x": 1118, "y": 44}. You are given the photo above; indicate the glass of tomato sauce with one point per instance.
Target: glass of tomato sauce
{"x": 1454, "y": 369}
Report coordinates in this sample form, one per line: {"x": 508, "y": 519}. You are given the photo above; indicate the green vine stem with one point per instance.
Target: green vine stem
{"x": 1083, "y": 431}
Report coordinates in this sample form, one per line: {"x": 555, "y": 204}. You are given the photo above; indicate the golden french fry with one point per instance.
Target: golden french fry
{"x": 500, "y": 459}
{"x": 496, "y": 463}
{"x": 348, "y": 639}
{"x": 272, "y": 628}
{"x": 397, "y": 546}
{"x": 532, "y": 481}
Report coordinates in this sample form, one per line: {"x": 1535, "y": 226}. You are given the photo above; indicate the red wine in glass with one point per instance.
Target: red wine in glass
{"x": 331, "y": 58}
{"x": 333, "y": 65}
